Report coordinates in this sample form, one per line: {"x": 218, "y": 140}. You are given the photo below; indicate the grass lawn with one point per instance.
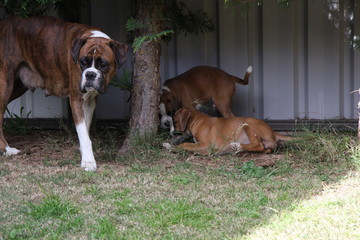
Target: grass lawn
{"x": 311, "y": 192}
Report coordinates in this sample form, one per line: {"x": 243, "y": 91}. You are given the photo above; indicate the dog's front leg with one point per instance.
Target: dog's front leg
{"x": 89, "y": 107}
{"x": 87, "y": 156}
{"x": 5, "y": 94}
{"x": 82, "y": 113}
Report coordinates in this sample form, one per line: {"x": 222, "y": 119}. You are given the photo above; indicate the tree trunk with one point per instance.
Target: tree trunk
{"x": 359, "y": 127}
{"x": 146, "y": 76}
{"x": 358, "y": 135}
{"x": 359, "y": 121}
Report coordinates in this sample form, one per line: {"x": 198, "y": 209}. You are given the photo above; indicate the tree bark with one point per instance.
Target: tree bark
{"x": 146, "y": 75}
{"x": 359, "y": 121}
{"x": 359, "y": 127}
{"x": 358, "y": 135}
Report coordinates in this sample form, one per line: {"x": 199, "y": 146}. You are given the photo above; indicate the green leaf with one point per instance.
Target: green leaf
{"x": 150, "y": 37}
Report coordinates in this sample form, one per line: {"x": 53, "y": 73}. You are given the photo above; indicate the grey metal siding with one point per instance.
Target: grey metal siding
{"x": 304, "y": 65}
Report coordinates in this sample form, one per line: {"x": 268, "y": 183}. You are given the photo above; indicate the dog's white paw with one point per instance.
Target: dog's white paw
{"x": 89, "y": 166}
{"x": 11, "y": 151}
{"x": 167, "y": 145}
{"x": 235, "y": 146}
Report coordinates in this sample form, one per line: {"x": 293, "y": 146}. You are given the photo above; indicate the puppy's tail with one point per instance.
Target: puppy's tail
{"x": 244, "y": 81}
{"x": 281, "y": 137}
{"x": 284, "y": 138}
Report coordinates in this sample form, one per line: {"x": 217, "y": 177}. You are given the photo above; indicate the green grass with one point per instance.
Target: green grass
{"x": 312, "y": 192}
{"x": 104, "y": 228}
{"x": 51, "y": 218}
{"x": 333, "y": 214}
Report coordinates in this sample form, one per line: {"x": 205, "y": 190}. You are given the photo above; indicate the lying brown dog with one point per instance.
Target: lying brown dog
{"x": 223, "y": 135}
{"x": 196, "y": 87}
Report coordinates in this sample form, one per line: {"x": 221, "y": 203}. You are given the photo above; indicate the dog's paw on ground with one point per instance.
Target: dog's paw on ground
{"x": 166, "y": 145}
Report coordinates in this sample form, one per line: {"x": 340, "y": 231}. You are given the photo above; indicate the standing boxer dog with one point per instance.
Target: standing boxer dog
{"x": 65, "y": 59}
{"x": 223, "y": 135}
{"x": 196, "y": 87}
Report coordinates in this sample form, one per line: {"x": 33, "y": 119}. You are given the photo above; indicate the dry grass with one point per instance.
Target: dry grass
{"x": 154, "y": 194}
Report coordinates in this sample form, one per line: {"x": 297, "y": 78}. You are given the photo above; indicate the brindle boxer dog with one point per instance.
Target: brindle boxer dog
{"x": 65, "y": 59}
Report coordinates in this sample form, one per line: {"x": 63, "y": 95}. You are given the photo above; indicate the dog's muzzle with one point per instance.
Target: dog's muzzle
{"x": 92, "y": 80}
{"x": 166, "y": 122}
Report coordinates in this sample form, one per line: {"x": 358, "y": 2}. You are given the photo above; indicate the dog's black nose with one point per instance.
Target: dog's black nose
{"x": 90, "y": 75}
{"x": 167, "y": 124}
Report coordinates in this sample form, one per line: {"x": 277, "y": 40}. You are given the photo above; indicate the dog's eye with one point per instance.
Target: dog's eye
{"x": 102, "y": 64}
{"x": 83, "y": 63}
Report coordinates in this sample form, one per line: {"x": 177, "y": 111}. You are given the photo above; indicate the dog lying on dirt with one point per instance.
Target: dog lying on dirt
{"x": 225, "y": 135}
{"x": 196, "y": 87}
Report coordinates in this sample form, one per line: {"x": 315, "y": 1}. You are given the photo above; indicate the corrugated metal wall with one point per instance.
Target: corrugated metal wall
{"x": 304, "y": 66}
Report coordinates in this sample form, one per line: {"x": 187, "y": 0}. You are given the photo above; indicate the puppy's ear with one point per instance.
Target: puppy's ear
{"x": 77, "y": 44}
{"x": 185, "y": 116}
{"x": 120, "y": 51}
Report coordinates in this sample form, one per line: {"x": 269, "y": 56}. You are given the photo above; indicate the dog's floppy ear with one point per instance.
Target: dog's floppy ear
{"x": 175, "y": 103}
{"x": 77, "y": 44}
{"x": 184, "y": 118}
{"x": 120, "y": 51}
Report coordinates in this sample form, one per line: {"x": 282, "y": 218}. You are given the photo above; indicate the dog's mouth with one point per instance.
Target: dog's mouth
{"x": 92, "y": 80}
{"x": 166, "y": 125}
{"x": 166, "y": 122}
{"x": 89, "y": 87}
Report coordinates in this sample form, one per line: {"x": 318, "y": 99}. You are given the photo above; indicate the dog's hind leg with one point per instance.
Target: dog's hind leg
{"x": 255, "y": 144}
{"x": 269, "y": 145}
{"x": 223, "y": 104}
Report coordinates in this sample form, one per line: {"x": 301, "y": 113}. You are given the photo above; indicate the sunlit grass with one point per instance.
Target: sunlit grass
{"x": 312, "y": 192}
{"x": 332, "y": 214}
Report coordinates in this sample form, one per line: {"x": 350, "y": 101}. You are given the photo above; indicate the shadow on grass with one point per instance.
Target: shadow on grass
{"x": 153, "y": 193}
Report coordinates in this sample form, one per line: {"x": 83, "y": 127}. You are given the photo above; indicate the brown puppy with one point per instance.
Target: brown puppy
{"x": 223, "y": 135}
{"x": 65, "y": 59}
{"x": 199, "y": 86}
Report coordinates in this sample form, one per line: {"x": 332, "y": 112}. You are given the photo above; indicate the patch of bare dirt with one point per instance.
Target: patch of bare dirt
{"x": 39, "y": 146}
{"x": 61, "y": 148}
{"x": 263, "y": 160}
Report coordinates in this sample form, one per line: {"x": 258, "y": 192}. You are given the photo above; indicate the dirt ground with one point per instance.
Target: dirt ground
{"x": 38, "y": 146}
{"x": 55, "y": 147}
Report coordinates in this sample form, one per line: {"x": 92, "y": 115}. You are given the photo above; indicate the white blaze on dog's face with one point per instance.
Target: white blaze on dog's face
{"x": 91, "y": 77}
{"x": 97, "y": 64}
{"x": 166, "y": 120}
{"x": 98, "y": 57}
{"x": 169, "y": 103}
